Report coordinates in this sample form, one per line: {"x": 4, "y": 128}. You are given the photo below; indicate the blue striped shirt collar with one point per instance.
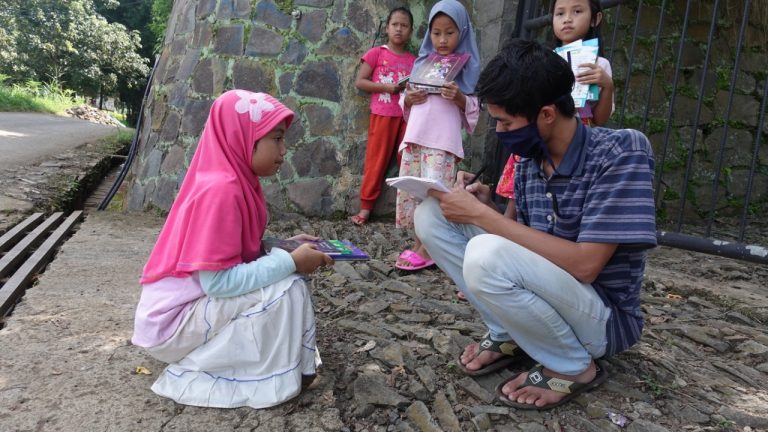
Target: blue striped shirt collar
{"x": 575, "y": 155}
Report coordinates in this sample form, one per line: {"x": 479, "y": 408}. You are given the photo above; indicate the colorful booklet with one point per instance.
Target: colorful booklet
{"x": 437, "y": 70}
{"x": 576, "y": 53}
{"x": 340, "y": 250}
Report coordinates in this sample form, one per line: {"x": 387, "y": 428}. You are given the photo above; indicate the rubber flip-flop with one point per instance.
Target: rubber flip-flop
{"x": 537, "y": 378}
{"x": 358, "y": 220}
{"x": 414, "y": 260}
{"x": 513, "y": 354}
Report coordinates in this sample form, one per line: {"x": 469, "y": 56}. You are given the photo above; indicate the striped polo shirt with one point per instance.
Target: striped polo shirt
{"x": 602, "y": 192}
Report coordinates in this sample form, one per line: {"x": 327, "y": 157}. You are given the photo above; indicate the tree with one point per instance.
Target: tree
{"x": 71, "y": 44}
{"x": 161, "y": 11}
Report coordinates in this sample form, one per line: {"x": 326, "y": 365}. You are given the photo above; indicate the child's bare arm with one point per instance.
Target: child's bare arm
{"x": 364, "y": 83}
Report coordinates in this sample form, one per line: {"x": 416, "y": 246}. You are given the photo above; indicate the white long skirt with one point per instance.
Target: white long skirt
{"x": 250, "y": 350}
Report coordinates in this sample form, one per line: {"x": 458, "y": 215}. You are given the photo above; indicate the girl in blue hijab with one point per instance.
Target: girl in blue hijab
{"x": 432, "y": 145}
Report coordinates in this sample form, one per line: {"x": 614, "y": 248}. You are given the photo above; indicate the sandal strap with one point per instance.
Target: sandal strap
{"x": 536, "y": 378}
{"x": 503, "y": 347}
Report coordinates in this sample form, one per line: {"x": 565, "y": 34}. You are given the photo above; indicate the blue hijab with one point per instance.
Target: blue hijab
{"x": 467, "y": 78}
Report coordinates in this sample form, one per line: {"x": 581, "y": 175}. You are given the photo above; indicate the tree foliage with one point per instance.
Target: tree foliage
{"x": 71, "y": 44}
{"x": 161, "y": 10}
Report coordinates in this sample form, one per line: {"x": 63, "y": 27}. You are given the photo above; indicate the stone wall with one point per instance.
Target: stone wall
{"x": 306, "y": 53}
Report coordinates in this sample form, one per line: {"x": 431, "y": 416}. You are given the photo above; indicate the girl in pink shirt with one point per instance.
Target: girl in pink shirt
{"x": 235, "y": 322}
{"x": 432, "y": 145}
{"x": 381, "y": 69}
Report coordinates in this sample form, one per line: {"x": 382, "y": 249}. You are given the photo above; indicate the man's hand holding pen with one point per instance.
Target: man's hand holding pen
{"x": 461, "y": 204}
{"x": 470, "y": 183}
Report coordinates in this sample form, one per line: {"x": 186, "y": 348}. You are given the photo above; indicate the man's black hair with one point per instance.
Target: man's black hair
{"x": 525, "y": 76}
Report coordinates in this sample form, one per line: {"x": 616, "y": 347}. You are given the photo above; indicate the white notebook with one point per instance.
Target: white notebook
{"x": 416, "y": 186}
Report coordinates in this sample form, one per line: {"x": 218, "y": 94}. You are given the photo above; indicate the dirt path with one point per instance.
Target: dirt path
{"x": 388, "y": 342}
{"x": 27, "y": 138}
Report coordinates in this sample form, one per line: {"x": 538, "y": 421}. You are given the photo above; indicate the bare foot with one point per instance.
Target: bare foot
{"x": 422, "y": 251}
{"x": 473, "y": 361}
{"x": 538, "y": 396}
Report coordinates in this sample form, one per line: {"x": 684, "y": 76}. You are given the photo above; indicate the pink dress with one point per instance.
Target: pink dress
{"x": 432, "y": 146}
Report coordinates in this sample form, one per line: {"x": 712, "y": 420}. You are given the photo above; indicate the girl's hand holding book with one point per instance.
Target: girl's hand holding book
{"x": 452, "y": 92}
{"x": 304, "y": 237}
{"x": 591, "y": 73}
{"x": 307, "y": 258}
{"x": 415, "y": 97}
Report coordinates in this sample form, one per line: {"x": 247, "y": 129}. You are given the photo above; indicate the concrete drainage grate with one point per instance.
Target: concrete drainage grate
{"x": 26, "y": 249}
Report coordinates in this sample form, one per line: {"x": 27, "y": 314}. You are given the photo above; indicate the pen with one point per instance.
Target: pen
{"x": 477, "y": 175}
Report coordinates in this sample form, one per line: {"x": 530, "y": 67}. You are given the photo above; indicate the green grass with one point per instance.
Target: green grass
{"x": 35, "y": 97}
{"x": 121, "y": 140}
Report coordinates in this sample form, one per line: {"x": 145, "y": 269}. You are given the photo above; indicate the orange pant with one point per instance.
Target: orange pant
{"x": 384, "y": 135}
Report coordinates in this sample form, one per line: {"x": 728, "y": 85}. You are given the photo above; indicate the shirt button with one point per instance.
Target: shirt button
{"x": 549, "y": 218}
{"x": 549, "y": 194}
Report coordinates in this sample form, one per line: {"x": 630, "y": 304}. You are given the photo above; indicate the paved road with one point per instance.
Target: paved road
{"x": 26, "y": 138}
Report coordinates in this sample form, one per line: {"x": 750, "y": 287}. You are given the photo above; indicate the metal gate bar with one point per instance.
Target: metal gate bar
{"x": 533, "y": 17}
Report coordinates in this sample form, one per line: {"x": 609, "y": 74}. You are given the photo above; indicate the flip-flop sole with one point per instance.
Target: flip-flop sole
{"x": 409, "y": 257}
{"x": 500, "y": 363}
{"x": 600, "y": 378}
{"x": 426, "y": 264}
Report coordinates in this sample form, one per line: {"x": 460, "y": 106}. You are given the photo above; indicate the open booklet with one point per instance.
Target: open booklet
{"x": 340, "y": 250}
{"x": 437, "y": 70}
{"x": 577, "y": 53}
{"x": 416, "y": 186}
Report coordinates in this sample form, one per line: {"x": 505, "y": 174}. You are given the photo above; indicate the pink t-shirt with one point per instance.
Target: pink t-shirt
{"x": 437, "y": 123}
{"x": 388, "y": 67}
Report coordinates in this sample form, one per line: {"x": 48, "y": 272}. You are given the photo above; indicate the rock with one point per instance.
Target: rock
{"x": 752, "y": 348}
{"x": 347, "y": 270}
{"x": 419, "y": 391}
{"x": 482, "y": 422}
{"x": 755, "y": 419}
{"x": 373, "y": 307}
{"x": 369, "y": 391}
{"x": 427, "y": 376}
{"x": 444, "y": 414}
{"x": 489, "y": 409}
{"x": 419, "y": 414}
{"x": 641, "y": 425}
{"x": 401, "y": 287}
{"x": 646, "y": 410}
{"x": 533, "y": 427}
{"x": 474, "y": 389}
{"x": 92, "y": 114}
{"x": 364, "y": 327}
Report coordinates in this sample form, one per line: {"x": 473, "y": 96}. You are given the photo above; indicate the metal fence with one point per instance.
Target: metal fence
{"x": 690, "y": 75}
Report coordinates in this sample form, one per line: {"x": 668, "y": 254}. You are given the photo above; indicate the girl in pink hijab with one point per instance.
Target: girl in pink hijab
{"x": 235, "y": 323}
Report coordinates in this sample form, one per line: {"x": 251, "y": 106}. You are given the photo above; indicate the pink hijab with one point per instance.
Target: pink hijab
{"x": 219, "y": 215}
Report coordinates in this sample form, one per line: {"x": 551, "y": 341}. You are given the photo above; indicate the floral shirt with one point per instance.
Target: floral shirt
{"x": 388, "y": 68}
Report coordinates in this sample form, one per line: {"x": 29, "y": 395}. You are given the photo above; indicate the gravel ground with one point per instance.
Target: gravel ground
{"x": 389, "y": 343}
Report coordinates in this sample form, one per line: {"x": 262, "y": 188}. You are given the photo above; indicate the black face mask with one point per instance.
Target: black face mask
{"x": 524, "y": 142}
